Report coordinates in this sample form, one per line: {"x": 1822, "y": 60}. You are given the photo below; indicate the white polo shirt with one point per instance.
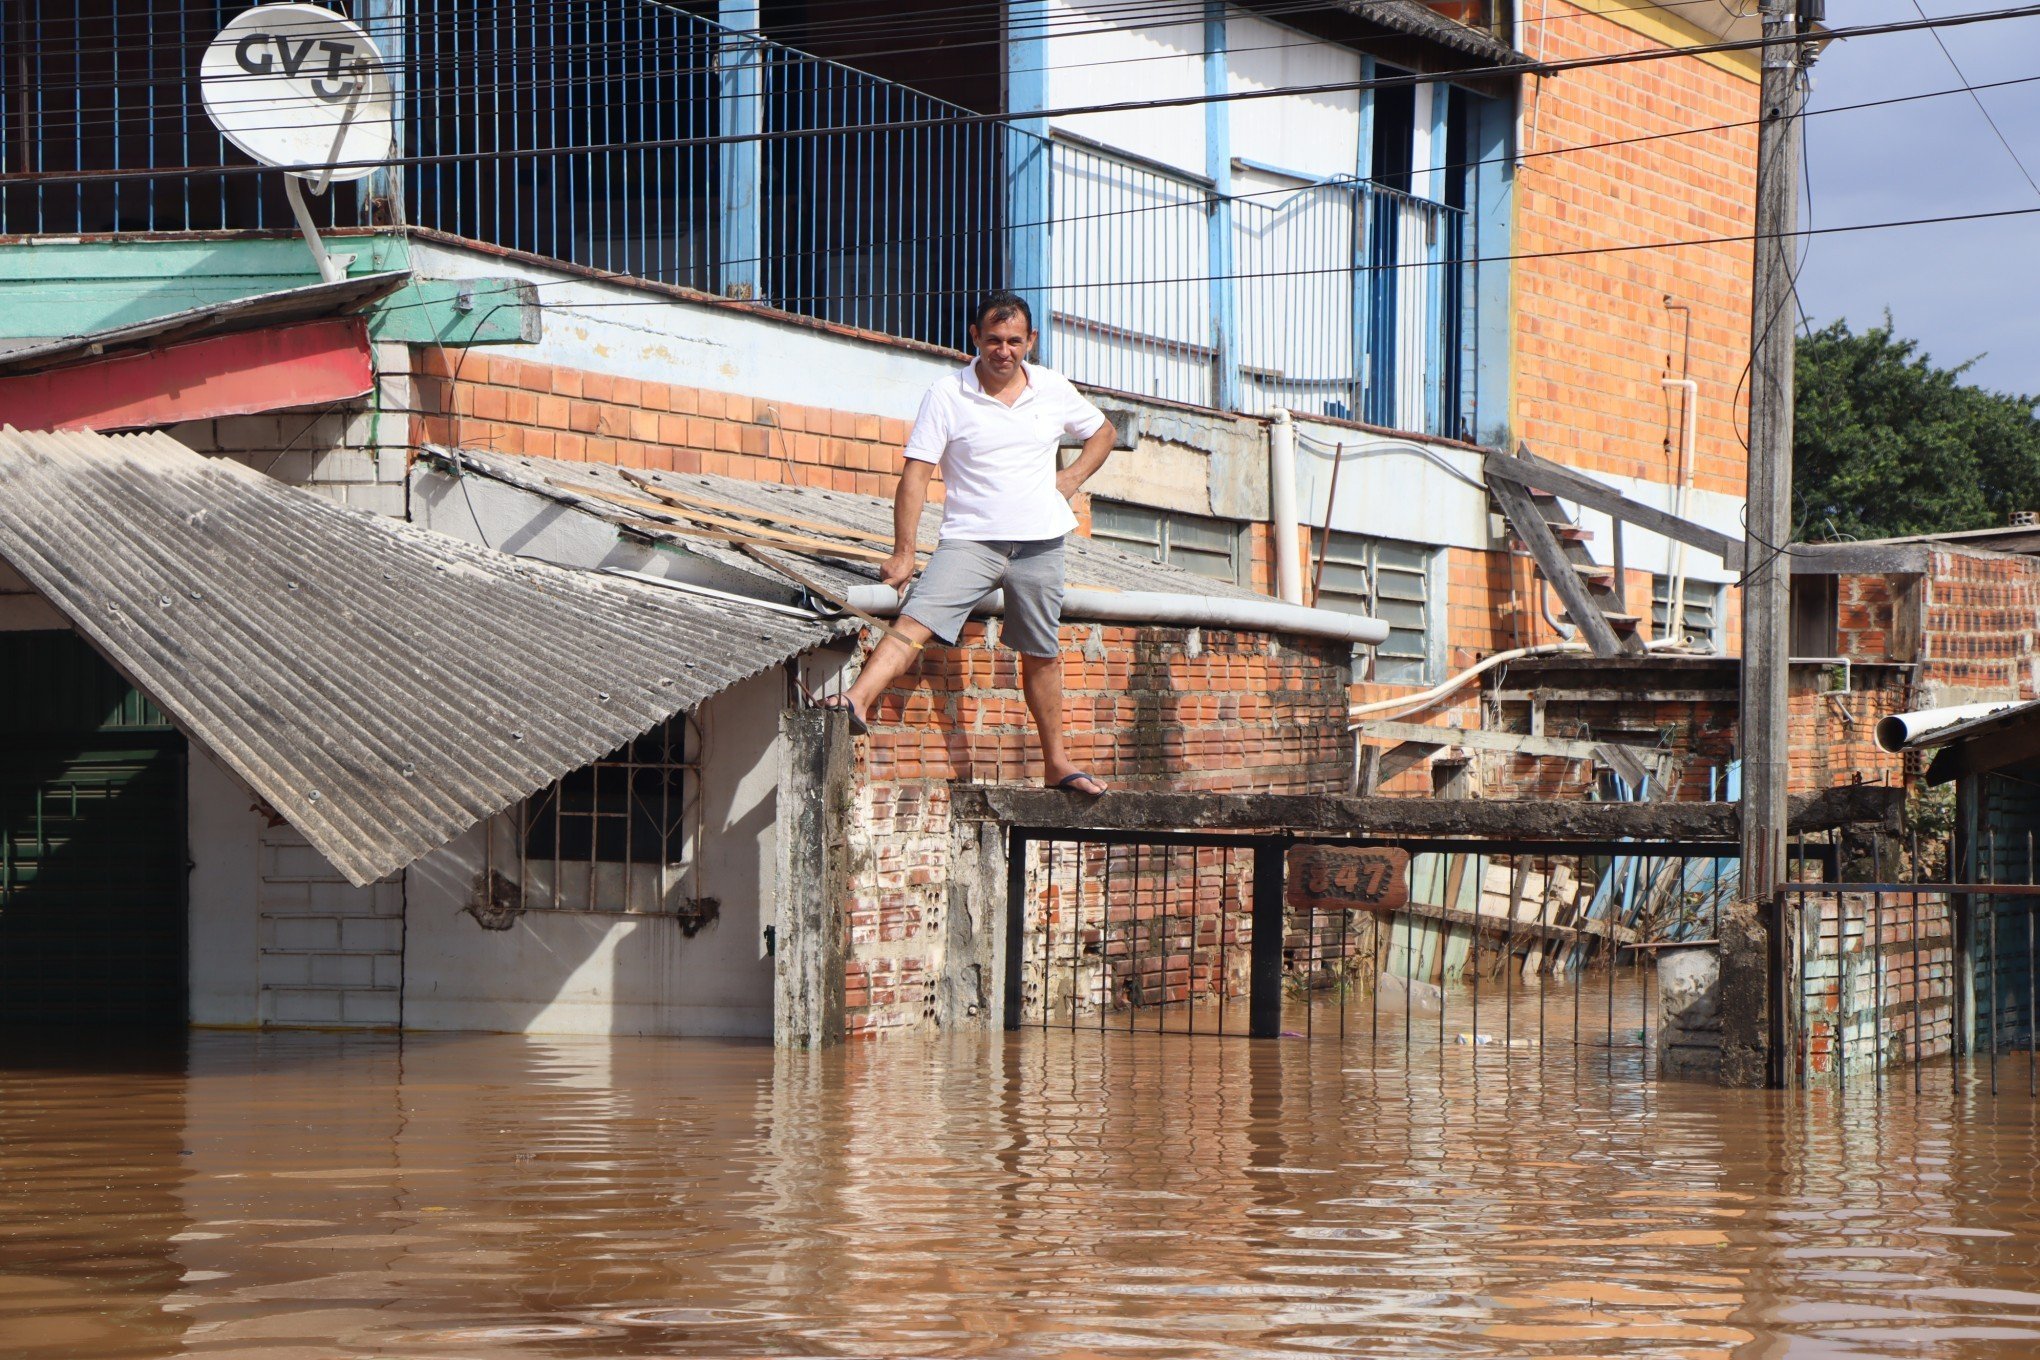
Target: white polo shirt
{"x": 998, "y": 461}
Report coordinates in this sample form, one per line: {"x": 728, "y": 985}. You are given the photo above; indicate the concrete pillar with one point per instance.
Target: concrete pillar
{"x": 1749, "y": 1030}
{"x": 969, "y": 976}
{"x": 1689, "y": 1013}
{"x": 811, "y": 930}
{"x": 1029, "y": 162}
{"x": 740, "y": 78}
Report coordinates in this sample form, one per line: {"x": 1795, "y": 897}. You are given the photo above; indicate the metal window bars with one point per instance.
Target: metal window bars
{"x": 621, "y": 834}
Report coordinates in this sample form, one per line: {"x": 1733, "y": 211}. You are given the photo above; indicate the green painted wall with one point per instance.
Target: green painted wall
{"x": 56, "y": 288}
{"x": 50, "y": 289}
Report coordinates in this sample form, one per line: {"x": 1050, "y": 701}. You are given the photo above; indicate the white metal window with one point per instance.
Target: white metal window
{"x": 614, "y": 835}
{"x": 1699, "y": 618}
{"x": 1209, "y": 547}
{"x": 1386, "y": 580}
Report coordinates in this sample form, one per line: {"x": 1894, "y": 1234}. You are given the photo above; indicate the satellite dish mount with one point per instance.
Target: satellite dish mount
{"x": 304, "y": 90}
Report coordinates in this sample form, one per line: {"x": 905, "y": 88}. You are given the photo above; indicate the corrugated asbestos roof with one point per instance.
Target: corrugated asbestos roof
{"x": 214, "y": 318}
{"x": 382, "y": 687}
{"x": 1418, "y": 20}
{"x": 1090, "y": 563}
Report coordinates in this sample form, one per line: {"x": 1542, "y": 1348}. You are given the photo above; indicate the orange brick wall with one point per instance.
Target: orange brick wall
{"x": 512, "y": 406}
{"x": 1982, "y": 615}
{"x": 1593, "y": 336}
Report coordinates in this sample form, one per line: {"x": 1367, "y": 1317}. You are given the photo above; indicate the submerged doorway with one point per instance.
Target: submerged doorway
{"x": 92, "y": 842}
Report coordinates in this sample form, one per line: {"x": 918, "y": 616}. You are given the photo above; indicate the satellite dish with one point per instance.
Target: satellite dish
{"x": 302, "y": 89}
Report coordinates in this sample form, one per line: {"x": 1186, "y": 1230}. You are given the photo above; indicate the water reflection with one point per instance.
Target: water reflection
{"x": 318, "y": 1196}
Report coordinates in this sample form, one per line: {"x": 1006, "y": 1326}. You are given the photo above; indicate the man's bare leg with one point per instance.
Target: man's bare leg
{"x": 888, "y": 661}
{"x": 1042, "y": 678}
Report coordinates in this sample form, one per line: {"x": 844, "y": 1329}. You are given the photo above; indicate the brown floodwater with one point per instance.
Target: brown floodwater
{"x": 304, "y": 1196}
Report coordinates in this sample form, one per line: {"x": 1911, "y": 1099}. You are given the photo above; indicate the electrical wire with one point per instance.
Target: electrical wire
{"x": 862, "y": 21}
{"x": 1997, "y": 131}
{"x": 1411, "y": 80}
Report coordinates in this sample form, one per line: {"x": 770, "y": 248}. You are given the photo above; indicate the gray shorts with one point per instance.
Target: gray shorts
{"x": 963, "y": 571}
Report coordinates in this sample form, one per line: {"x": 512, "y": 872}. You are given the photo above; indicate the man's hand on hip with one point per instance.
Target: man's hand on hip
{"x": 897, "y": 570}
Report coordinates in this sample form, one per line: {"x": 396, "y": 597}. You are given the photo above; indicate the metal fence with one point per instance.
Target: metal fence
{"x": 1349, "y": 299}
{"x": 1512, "y": 948}
{"x": 647, "y": 140}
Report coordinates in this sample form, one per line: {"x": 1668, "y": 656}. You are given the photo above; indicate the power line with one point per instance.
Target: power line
{"x": 1185, "y": 280}
{"x": 1635, "y": 57}
{"x": 1995, "y": 129}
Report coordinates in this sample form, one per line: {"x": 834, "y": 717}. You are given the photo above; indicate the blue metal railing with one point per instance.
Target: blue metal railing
{"x": 646, "y": 140}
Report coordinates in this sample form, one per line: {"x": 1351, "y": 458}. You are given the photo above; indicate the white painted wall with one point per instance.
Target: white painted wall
{"x": 277, "y": 935}
{"x": 1386, "y": 490}
{"x": 1097, "y": 56}
{"x": 720, "y": 349}
{"x": 1316, "y": 136}
{"x": 607, "y": 972}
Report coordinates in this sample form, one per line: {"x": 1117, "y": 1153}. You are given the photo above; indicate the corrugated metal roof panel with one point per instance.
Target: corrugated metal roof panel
{"x": 381, "y": 686}
{"x": 1091, "y": 563}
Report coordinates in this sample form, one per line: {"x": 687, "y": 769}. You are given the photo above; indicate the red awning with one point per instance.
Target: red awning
{"x": 305, "y": 363}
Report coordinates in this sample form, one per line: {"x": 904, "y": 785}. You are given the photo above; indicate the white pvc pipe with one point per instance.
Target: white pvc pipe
{"x": 1903, "y": 731}
{"x": 1158, "y": 607}
{"x": 1282, "y": 519}
{"x": 1437, "y": 692}
{"x": 1675, "y": 599}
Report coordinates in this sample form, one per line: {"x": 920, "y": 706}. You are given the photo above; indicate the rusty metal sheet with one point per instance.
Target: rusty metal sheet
{"x": 1349, "y": 878}
{"x": 382, "y": 687}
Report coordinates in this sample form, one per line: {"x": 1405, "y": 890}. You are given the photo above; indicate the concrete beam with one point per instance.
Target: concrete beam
{"x": 459, "y": 312}
{"x": 811, "y": 930}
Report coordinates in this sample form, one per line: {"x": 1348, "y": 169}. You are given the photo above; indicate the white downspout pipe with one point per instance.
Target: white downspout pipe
{"x": 1675, "y": 599}
{"x": 1163, "y": 608}
{"x": 1282, "y": 520}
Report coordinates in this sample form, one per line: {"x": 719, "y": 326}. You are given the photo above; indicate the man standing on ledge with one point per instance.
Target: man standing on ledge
{"x": 993, "y": 428}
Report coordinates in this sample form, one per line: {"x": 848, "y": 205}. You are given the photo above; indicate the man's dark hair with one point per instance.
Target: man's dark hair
{"x": 997, "y": 306}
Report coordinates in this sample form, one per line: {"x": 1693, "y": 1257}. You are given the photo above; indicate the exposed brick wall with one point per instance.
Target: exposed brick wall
{"x": 1147, "y": 707}
{"x": 1863, "y": 617}
{"x": 1982, "y": 613}
{"x": 481, "y": 400}
{"x": 1594, "y": 337}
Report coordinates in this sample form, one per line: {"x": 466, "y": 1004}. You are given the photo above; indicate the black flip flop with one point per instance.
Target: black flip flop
{"x": 840, "y": 703}
{"x": 1067, "y": 784}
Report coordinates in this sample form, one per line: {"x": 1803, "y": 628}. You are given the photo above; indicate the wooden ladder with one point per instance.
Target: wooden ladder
{"x": 1557, "y": 543}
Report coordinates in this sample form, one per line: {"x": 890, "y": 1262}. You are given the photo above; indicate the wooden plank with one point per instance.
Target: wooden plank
{"x": 742, "y": 529}
{"x": 771, "y": 517}
{"x": 741, "y": 540}
{"x": 1525, "y": 468}
{"x": 1399, "y": 758}
{"x": 1481, "y": 739}
{"x": 1614, "y": 696}
{"x": 1525, "y": 819}
{"x": 1524, "y": 930}
{"x": 1556, "y": 567}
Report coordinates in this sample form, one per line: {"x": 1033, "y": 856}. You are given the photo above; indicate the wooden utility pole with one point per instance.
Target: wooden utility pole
{"x": 1767, "y": 573}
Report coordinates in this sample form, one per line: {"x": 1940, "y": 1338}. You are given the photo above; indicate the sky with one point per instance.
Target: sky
{"x": 1964, "y": 290}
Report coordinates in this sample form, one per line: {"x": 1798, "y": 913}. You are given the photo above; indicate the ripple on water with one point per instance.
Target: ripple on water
{"x": 493, "y": 1198}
